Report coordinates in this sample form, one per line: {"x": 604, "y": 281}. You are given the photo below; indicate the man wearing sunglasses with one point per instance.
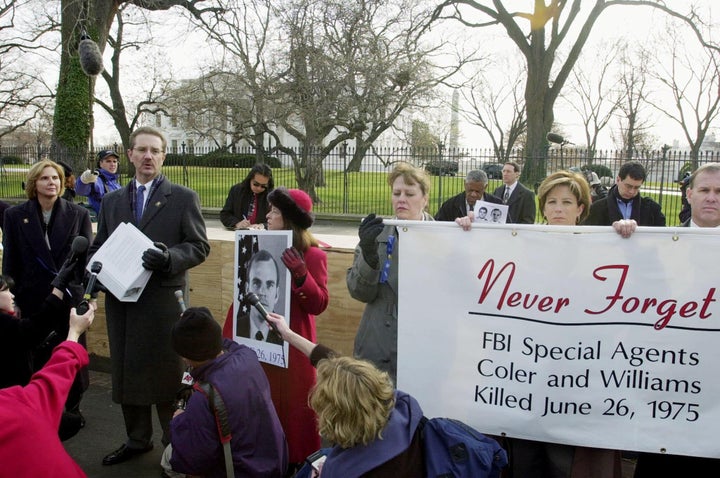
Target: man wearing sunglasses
{"x": 246, "y": 205}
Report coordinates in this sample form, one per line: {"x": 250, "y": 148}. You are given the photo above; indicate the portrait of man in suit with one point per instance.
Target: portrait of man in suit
{"x": 263, "y": 280}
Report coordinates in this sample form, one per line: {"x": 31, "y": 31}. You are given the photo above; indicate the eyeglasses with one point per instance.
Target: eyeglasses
{"x": 259, "y": 185}
{"x": 153, "y": 151}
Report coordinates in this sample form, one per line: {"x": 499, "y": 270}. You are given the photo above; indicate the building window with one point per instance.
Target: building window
{"x": 173, "y": 121}
{"x": 158, "y": 120}
{"x": 174, "y": 146}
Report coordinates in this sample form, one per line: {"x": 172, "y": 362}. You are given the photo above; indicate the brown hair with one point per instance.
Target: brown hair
{"x": 148, "y": 130}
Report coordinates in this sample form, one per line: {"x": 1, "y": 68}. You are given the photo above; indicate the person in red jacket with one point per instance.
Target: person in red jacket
{"x": 291, "y": 209}
{"x": 30, "y": 415}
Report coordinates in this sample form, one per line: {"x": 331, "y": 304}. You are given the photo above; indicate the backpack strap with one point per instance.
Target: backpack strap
{"x": 105, "y": 183}
{"x": 219, "y": 411}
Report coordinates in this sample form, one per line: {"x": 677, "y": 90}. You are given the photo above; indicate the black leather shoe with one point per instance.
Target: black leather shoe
{"x": 124, "y": 454}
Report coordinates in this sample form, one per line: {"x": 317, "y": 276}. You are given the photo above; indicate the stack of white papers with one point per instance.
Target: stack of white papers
{"x": 122, "y": 272}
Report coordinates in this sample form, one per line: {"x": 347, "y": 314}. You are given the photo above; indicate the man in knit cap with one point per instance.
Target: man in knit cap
{"x": 258, "y": 441}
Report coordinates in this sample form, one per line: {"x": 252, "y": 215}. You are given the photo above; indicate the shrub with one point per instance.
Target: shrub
{"x": 221, "y": 159}
{"x": 687, "y": 167}
{"x": 11, "y": 160}
{"x": 599, "y": 169}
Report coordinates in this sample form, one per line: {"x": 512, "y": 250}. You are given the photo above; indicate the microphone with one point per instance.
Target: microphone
{"x": 85, "y": 304}
{"x": 181, "y": 301}
{"x": 79, "y": 246}
{"x": 555, "y": 138}
{"x": 254, "y": 300}
{"x": 91, "y": 60}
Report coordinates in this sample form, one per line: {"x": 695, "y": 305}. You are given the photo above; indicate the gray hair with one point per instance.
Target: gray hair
{"x": 476, "y": 175}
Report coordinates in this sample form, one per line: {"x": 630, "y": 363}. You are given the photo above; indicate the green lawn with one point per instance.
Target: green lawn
{"x": 351, "y": 193}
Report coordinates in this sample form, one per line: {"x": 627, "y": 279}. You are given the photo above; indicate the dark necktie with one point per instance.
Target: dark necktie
{"x": 259, "y": 336}
{"x": 139, "y": 200}
{"x": 506, "y": 195}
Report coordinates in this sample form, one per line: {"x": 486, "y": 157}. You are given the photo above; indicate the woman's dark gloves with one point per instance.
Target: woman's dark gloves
{"x": 295, "y": 263}
{"x": 370, "y": 229}
{"x": 65, "y": 275}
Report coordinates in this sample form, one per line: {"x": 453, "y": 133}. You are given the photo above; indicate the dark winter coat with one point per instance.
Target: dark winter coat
{"x": 18, "y": 337}
{"x": 26, "y": 256}
{"x": 145, "y": 369}
{"x": 237, "y": 206}
{"x": 456, "y": 207}
{"x": 521, "y": 204}
{"x": 605, "y": 211}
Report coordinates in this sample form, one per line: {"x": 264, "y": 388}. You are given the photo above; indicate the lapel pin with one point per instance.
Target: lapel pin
{"x": 25, "y": 220}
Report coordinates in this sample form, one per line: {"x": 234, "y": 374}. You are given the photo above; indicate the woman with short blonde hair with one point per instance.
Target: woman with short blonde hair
{"x": 37, "y": 237}
{"x": 571, "y": 183}
{"x": 36, "y": 171}
{"x": 373, "y": 277}
{"x": 353, "y": 400}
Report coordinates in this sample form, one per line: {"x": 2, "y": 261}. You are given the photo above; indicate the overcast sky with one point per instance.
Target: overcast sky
{"x": 185, "y": 51}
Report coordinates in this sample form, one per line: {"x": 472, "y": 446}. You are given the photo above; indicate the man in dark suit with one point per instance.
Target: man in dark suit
{"x": 520, "y": 200}
{"x": 462, "y": 204}
{"x": 624, "y": 202}
{"x": 262, "y": 280}
{"x": 145, "y": 368}
{"x": 703, "y": 194}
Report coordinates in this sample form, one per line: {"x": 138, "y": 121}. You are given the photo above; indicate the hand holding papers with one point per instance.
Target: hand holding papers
{"x": 122, "y": 272}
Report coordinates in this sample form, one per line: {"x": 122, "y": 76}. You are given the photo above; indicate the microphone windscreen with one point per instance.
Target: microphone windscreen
{"x": 91, "y": 60}
{"x": 79, "y": 245}
{"x": 555, "y": 138}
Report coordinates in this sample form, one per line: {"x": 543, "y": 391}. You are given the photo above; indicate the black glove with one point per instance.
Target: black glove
{"x": 370, "y": 229}
{"x": 155, "y": 260}
{"x": 65, "y": 275}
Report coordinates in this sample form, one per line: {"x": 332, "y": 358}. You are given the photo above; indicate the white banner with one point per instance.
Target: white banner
{"x": 565, "y": 335}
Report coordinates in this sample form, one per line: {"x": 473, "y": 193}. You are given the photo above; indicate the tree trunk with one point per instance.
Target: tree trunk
{"x": 73, "y": 118}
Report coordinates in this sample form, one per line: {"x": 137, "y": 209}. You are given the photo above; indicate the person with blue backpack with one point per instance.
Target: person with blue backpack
{"x": 377, "y": 431}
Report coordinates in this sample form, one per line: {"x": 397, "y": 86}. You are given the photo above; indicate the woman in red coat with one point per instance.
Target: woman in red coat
{"x": 290, "y": 209}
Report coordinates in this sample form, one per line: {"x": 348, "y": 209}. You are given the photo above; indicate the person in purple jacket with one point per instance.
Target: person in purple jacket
{"x": 258, "y": 443}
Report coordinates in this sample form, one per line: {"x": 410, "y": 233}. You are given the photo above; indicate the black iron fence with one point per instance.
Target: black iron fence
{"x": 348, "y": 190}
